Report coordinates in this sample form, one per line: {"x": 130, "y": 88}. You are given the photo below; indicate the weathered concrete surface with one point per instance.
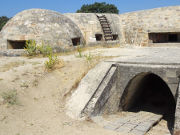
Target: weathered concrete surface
{"x": 137, "y": 25}
{"x": 90, "y": 25}
{"x": 131, "y": 124}
{"x": 49, "y": 26}
{"x": 106, "y": 97}
{"x": 177, "y": 114}
{"x": 86, "y": 90}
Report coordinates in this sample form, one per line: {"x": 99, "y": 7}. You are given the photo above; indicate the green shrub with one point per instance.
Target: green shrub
{"x": 79, "y": 50}
{"x": 88, "y": 57}
{"x": 30, "y": 47}
{"x": 10, "y": 97}
{"x": 45, "y": 50}
{"x": 50, "y": 63}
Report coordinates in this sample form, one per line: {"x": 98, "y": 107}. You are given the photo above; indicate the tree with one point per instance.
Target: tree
{"x": 3, "y": 21}
{"x": 98, "y": 8}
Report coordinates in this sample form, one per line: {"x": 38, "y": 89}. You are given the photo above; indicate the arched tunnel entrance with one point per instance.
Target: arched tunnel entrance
{"x": 148, "y": 92}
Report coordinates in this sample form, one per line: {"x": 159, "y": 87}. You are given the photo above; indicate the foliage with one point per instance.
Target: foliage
{"x": 79, "y": 50}
{"x": 51, "y": 62}
{"x": 30, "y": 47}
{"x": 45, "y": 50}
{"x": 10, "y": 97}
{"x": 3, "y": 21}
{"x": 98, "y": 8}
{"x": 88, "y": 57}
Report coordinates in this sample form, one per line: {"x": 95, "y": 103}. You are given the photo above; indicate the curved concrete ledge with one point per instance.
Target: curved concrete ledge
{"x": 86, "y": 90}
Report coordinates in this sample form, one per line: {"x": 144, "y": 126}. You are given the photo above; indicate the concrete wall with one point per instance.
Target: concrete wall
{"x": 177, "y": 114}
{"x": 90, "y": 25}
{"x": 103, "y": 89}
{"x": 137, "y": 25}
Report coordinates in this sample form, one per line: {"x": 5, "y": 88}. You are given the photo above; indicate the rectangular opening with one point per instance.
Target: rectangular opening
{"x": 76, "y": 41}
{"x": 16, "y": 44}
{"x": 173, "y": 38}
{"x": 115, "y": 37}
{"x": 98, "y": 37}
{"x": 164, "y": 37}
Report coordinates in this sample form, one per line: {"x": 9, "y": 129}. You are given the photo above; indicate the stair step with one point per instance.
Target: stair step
{"x": 102, "y": 19}
{"x": 108, "y": 32}
{"x": 105, "y": 27}
{"x": 103, "y": 16}
{"x": 104, "y": 22}
{"x": 108, "y": 36}
{"x": 108, "y": 39}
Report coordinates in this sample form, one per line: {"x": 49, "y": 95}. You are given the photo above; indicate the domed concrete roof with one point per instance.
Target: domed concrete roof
{"x": 41, "y": 25}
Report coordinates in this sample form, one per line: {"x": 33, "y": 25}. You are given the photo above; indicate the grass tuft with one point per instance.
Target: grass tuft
{"x": 10, "y": 97}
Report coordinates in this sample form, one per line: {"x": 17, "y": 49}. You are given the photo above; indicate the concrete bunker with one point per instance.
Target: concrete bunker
{"x": 41, "y": 25}
{"x": 16, "y": 44}
{"x": 148, "y": 92}
{"x": 164, "y": 37}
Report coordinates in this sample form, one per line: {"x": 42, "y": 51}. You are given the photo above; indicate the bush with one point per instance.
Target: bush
{"x": 30, "y": 47}
{"x": 3, "y": 21}
{"x": 79, "y": 50}
{"x": 88, "y": 57}
{"x": 10, "y": 97}
{"x": 50, "y": 63}
{"x": 33, "y": 49}
{"x": 45, "y": 50}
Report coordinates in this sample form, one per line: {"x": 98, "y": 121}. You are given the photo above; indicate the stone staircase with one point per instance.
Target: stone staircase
{"x": 105, "y": 27}
{"x": 129, "y": 123}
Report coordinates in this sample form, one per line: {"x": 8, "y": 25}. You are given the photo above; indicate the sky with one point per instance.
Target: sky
{"x": 11, "y": 7}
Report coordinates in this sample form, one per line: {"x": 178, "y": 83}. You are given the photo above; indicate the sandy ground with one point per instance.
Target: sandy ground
{"x": 41, "y": 95}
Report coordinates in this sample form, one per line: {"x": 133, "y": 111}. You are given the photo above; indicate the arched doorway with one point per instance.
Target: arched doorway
{"x": 148, "y": 92}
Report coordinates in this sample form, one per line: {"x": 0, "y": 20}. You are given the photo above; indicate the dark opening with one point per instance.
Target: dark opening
{"x": 115, "y": 37}
{"x": 150, "y": 93}
{"x": 76, "y": 41}
{"x": 18, "y": 44}
{"x": 98, "y": 37}
{"x": 164, "y": 37}
{"x": 173, "y": 38}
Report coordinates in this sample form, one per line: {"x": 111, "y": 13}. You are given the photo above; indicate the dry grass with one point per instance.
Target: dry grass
{"x": 75, "y": 85}
{"x": 60, "y": 63}
{"x": 10, "y": 97}
{"x": 87, "y": 48}
{"x": 11, "y": 65}
{"x": 53, "y": 63}
{"x": 90, "y": 65}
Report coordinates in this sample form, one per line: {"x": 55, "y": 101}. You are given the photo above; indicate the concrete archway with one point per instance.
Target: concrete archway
{"x": 148, "y": 92}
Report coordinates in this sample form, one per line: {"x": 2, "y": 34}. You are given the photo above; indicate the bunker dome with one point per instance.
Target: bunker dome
{"x": 40, "y": 25}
